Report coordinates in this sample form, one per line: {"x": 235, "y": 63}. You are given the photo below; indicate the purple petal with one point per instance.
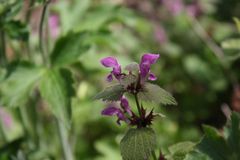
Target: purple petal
{"x": 146, "y": 61}
{"x": 150, "y": 58}
{"x": 6, "y": 118}
{"x": 174, "y": 6}
{"x": 125, "y": 105}
{"x": 152, "y": 77}
{"x": 116, "y": 70}
{"x": 109, "y": 78}
{"x": 110, "y": 111}
{"x": 54, "y": 25}
{"x": 109, "y": 62}
{"x": 144, "y": 69}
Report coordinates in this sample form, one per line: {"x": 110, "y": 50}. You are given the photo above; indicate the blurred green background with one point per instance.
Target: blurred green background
{"x": 199, "y": 64}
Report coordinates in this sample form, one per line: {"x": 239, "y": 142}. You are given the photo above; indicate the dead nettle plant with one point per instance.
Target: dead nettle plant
{"x": 139, "y": 142}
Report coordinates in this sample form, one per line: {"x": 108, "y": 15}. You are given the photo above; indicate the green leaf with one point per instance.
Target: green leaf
{"x": 234, "y": 135}
{"x": 15, "y": 90}
{"x": 17, "y": 30}
{"x": 233, "y": 43}
{"x": 156, "y": 94}
{"x": 214, "y": 145}
{"x": 194, "y": 155}
{"x": 55, "y": 91}
{"x": 237, "y": 21}
{"x": 138, "y": 144}
{"x": 68, "y": 49}
{"x": 179, "y": 150}
{"x": 112, "y": 93}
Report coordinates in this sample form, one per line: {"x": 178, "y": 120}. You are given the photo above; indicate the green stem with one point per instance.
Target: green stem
{"x": 154, "y": 155}
{"x": 3, "y": 59}
{"x": 42, "y": 49}
{"x": 64, "y": 141}
{"x": 138, "y": 105}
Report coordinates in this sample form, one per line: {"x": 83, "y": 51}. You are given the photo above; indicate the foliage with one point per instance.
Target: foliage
{"x": 47, "y": 107}
{"x": 138, "y": 144}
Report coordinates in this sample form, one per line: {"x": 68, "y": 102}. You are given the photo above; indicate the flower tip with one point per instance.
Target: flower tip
{"x": 109, "y": 62}
{"x": 150, "y": 58}
{"x": 152, "y": 77}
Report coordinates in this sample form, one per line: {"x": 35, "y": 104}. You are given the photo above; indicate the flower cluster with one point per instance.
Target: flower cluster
{"x": 140, "y": 73}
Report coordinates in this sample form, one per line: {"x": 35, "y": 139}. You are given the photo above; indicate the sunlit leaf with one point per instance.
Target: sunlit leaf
{"x": 231, "y": 44}
{"x": 196, "y": 156}
{"x": 138, "y": 144}
{"x": 178, "y": 151}
{"x": 15, "y": 90}
{"x": 237, "y": 21}
{"x": 112, "y": 93}
{"x": 156, "y": 94}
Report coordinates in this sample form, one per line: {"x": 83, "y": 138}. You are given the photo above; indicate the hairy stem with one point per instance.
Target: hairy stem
{"x": 138, "y": 105}
{"x": 64, "y": 141}
{"x": 41, "y": 39}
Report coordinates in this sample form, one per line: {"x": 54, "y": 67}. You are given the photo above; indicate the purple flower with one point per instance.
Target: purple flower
{"x": 116, "y": 68}
{"x": 5, "y": 118}
{"x": 53, "y": 23}
{"x": 112, "y": 110}
{"x": 173, "y": 6}
{"x": 146, "y": 62}
{"x": 125, "y": 105}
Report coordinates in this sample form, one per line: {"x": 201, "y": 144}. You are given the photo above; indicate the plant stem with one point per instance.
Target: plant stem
{"x": 64, "y": 141}
{"x": 138, "y": 105}
{"x": 3, "y": 59}
{"x": 42, "y": 49}
{"x": 154, "y": 155}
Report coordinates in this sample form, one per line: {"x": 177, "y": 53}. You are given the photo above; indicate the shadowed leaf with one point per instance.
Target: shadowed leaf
{"x": 214, "y": 145}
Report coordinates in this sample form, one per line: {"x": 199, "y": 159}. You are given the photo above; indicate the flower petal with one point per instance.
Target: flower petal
{"x": 109, "y": 78}
{"x": 152, "y": 77}
{"x": 125, "y": 105}
{"x": 117, "y": 70}
{"x": 147, "y": 60}
{"x": 109, "y": 62}
{"x": 110, "y": 111}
